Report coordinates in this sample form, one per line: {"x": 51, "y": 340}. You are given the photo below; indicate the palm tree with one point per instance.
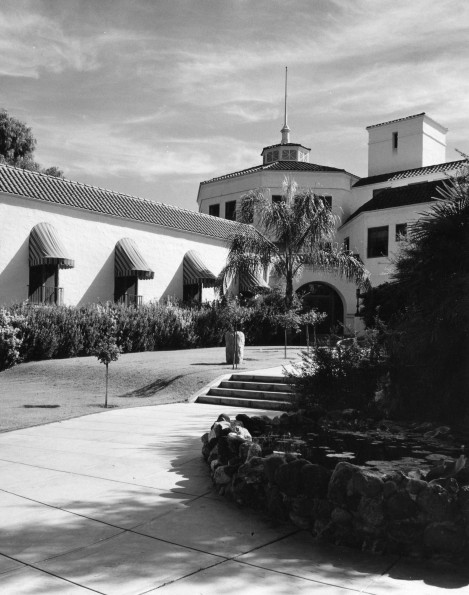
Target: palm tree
{"x": 430, "y": 347}
{"x": 290, "y": 234}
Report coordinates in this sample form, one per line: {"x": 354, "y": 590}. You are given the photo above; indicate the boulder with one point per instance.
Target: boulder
{"x": 254, "y": 450}
{"x": 444, "y": 537}
{"x": 371, "y": 512}
{"x": 271, "y": 464}
{"x": 223, "y": 417}
{"x": 340, "y": 516}
{"x": 436, "y": 502}
{"x": 288, "y": 476}
{"x": 400, "y": 506}
{"x": 234, "y": 347}
{"x": 366, "y": 483}
{"x": 221, "y": 428}
{"x": 337, "y": 491}
{"x": 314, "y": 480}
{"x": 220, "y": 477}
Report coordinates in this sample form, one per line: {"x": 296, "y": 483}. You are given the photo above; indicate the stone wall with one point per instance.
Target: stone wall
{"x": 350, "y": 505}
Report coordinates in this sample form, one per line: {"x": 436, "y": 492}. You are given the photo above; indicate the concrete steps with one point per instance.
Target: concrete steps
{"x": 252, "y": 391}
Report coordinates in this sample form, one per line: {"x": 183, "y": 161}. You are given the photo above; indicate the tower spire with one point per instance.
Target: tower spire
{"x": 285, "y": 130}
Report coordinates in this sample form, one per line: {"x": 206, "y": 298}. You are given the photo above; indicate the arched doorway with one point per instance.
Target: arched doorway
{"x": 323, "y": 298}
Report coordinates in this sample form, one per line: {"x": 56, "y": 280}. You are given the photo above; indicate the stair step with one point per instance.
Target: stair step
{"x": 261, "y": 379}
{"x": 250, "y": 403}
{"x": 249, "y": 394}
{"x": 261, "y": 386}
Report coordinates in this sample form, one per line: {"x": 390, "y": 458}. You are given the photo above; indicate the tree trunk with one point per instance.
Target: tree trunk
{"x": 288, "y": 290}
{"x": 107, "y": 376}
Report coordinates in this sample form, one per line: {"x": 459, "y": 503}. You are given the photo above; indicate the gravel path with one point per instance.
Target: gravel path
{"x": 41, "y": 392}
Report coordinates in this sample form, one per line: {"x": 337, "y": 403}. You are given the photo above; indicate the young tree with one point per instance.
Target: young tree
{"x": 295, "y": 232}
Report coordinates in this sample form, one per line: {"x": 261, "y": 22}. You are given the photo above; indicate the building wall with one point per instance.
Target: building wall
{"x": 380, "y": 267}
{"x": 336, "y": 184}
{"x": 90, "y": 240}
{"x": 421, "y": 141}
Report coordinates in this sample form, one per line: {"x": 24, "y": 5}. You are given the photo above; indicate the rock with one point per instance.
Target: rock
{"x": 234, "y": 353}
{"x": 338, "y": 484}
{"x": 214, "y": 463}
{"x": 314, "y": 480}
{"x": 204, "y": 438}
{"x": 400, "y": 506}
{"x": 213, "y": 455}
{"x": 220, "y": 477}
{"x": 224, "y": 451}
{"x": 206, "y": 451}
{"x": 224, "y": 417}
{"x": 252, "y": 471}
{"x": 415, "y": 486}
{"x": 275, "y": 503}
{"x": 389, "y": 488}
{"x": 340, "y": 516}
{"x": 444, "y": 537}
{"x": 254, "y": 450}
{"x": 288, "y": 476}
{"x": 405, "y": 531}
{"x": 221, "y": 428}
{"x": 243, "y": 450}
{"x": 271, "y": 464}
{"x": 234, "y": 441}
{"x": 371, "y": 511}
{"x": 435, "y": 502}
{"x": 366, "y": 483}
{"x": 241, "y": 432}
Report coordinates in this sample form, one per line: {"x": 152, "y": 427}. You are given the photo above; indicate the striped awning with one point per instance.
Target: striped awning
{"x": 128, "y": 262}
{"x": 252, "y": 281}
{"x": 45, "y": 247}
{"x": 196, "y": 272}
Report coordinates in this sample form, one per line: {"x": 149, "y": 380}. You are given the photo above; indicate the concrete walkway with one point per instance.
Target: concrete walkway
{"x": 121, "y": 502}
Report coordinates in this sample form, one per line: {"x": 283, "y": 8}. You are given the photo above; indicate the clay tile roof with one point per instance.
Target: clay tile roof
{"x": 401, "y": 196}
{"x": 410, "y": 173}
{"x": 397, "y": 120}
{"x": 277, "y": 166}
{"x": 50, "y": 189}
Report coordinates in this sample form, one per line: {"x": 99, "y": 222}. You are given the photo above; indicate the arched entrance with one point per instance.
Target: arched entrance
{"x": 323, "y": 298}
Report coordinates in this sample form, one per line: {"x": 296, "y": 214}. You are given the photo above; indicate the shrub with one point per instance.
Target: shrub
{"x": 10, "y": 339}
{"x": 346, "y": 375}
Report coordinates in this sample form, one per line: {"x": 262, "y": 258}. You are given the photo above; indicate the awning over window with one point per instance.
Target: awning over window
{"x": 250, "y": 281}
{"x": 195, "y": 270}
{"x": 45, "y": 247}
{"x": 128, "y": 262}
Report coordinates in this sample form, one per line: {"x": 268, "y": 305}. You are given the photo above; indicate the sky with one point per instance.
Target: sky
{"x": 151, "y": 97}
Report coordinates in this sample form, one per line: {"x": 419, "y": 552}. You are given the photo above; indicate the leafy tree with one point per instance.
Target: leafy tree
{"x": 17, "y": 146}
{"x": 295, "y": 232}
{"x": 430, "y": 342}
{"x": 16, "y": 139}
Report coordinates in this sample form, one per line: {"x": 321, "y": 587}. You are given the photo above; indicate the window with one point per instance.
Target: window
{"x": 276, "y": 198}
{"x": 395, "y": 140}
{"x": 269, "y": 157}
{"x": 347, "y": 244}
{"x": 289, "y": 155}
{"x": 126, "y": 291}
{"x": 401, "y": 231}
{"x": 230, "y": 210}
{"x": 377, "y": 241}
{"x": 214, "y": 210}
{"x": 43, "y": 285}
{"x": 275, "y": 156}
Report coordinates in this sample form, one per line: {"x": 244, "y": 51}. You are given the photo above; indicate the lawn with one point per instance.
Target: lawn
{"x": 41, "y": 392}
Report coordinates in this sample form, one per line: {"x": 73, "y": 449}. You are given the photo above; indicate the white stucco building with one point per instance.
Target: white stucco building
{"x": 65, "y": 242}
{"x": 406, "y": 165}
